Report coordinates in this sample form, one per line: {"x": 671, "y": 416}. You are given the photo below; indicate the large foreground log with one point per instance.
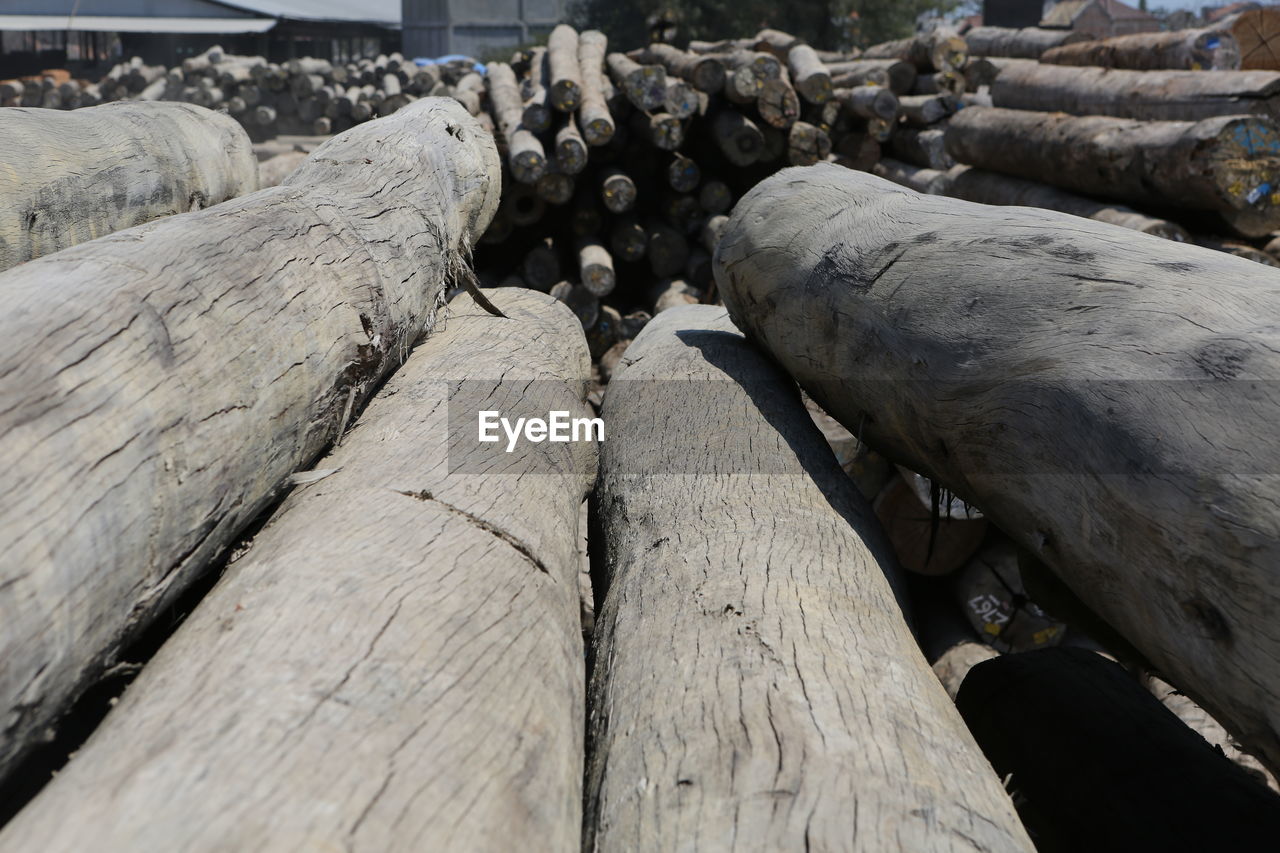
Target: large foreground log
{"x": 68, "y": 177}
{"x": 186, "y": 368}
{"x": 398, "y": 647}
{"x": 1184, "y": 50}
{"x": 1147, "y": 95}
{"x": 751, "y": 687}
{"x": 1097, "y": 763}
{"x": 1024, "y": 43}
{"x": 1114, "y": 411}
{"x": 1230, "y": 165}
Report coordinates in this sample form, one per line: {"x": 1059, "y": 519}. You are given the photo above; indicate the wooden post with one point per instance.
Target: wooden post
{"x": 68, "y": 177}
{"x": 704, "y": 73}
{"x": 644, "y": 85}
{"x": 346, "y": 650}
{"x": 869, "y": 102}
{"x": 1257, "y": 32}
{"x": 758, "y": 664}
{"x": 525, "y": 155}
{"x": 989, "y": 435}
{"x": 617, "y": 190}
{"x": 202, "y": 361}
{"x": 595, "y": 268}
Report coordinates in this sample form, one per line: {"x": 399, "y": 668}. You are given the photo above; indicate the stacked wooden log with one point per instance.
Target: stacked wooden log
{"x": 304, "y": 95}
{"x": 1120, "y": 130}
{"x": 622, "y": 164}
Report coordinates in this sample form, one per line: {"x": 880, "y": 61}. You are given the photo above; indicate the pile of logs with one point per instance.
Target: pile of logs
{"x": 301, "y": 96}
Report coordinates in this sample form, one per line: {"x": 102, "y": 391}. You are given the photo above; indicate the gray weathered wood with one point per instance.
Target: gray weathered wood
{"x": 1228, "y": 164}
{"x": 395, "y": 663}
{"x": 189, "y": 366}
{"x": 1114, "y": 413}
{"x": 68, "y": 177}
{"x": 755, "y": 684}
{"x": 1148, "y": 95}
{"x": 1023, "y": 43}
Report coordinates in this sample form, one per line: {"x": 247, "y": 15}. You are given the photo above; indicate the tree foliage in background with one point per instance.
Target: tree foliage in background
{"x": 830, "y": 24}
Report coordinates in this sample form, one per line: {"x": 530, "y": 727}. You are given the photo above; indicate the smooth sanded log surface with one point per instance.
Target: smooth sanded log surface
{"x": 993, "y": 188}
{"x": 187, "y": 367}
{"x": 755, "y": 684}
{"x": 396, "y": 661}
{"x": 1107, "y": 398}
{"x": 1185, "y": 50}
{"x": 1147, "y": 95}
{"x": 67, "y": 177}
{"x": 1021, "y": 43}
{"x": 1098, "y": 763}
{"x": 1224, "y": 164}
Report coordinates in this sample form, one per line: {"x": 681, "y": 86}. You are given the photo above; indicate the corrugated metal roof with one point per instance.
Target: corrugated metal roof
{"x": 135, "y": 24}
{"x": 370, "y": 11}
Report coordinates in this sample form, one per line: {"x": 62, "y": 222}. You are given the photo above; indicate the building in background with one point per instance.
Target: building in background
{"x": 1012, "y": 13}
{"x": 84, "y": 35}
{"x": 479, "y": 28}
{"x": 1099, "y": 18}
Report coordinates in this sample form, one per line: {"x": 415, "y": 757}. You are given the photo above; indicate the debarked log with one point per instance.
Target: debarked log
{"x": 68, "y": 177}
{"x": 400, "y": 643}
{"x": 1113, "y": 411}
{"x": 190, "y": 366}
{"x": 776, "y": 668}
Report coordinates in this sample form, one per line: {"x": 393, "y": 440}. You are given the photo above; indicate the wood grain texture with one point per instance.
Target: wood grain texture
{"x": 1114, "y": 412}
{"x": 182, "y": 370}
{"x": 756, "y": 686}
{"x": 68, "y": 177}
{"x": 396, "y": 661}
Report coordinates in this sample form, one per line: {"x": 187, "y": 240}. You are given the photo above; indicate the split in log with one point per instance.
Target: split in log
{"x": 1024, "y": 43}
{"x": 399, "y": 644}
{"x": 203, "y": 359}
{"x": 68, "y": 177}
{"x": 1136, "y": 416}
{"x": 1146, "y": 95}
{"x": 776, "y": 662}
{"x": 555, "y": 187}
{"x": 1183, "y": 50}
{"x": 1089, "y": 751}
{"x": 1224, "y": 164}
